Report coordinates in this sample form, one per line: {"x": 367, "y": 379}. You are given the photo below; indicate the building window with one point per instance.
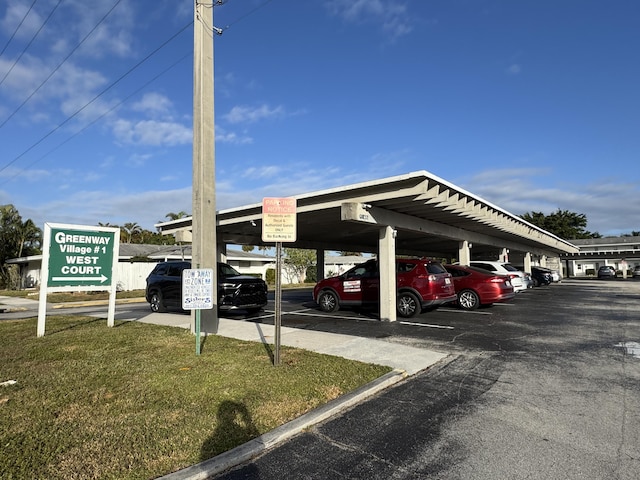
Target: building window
{"x": 244, "y": 264}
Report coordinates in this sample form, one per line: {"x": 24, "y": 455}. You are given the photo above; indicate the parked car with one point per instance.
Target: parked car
{"x": 527, "y": 279}
{"x": 607, "y": 271}
{"x": 541, "y": 276}
{"x": 235, "y": 291}
{"x": 636, "y": 271}
{"x": 476, "y": 286}
{"x": 421, "y": 283}
{"x": 503, "y": 268}
{"x": 556, "y": 276}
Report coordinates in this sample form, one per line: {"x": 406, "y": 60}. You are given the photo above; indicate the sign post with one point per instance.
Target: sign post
{"x": 78, "y": 258}
{"x": 197, "y": 294}
{"x": 279, "y": 224}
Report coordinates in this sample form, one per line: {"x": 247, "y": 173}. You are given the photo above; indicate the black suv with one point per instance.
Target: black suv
{"x": 235, "y": 291}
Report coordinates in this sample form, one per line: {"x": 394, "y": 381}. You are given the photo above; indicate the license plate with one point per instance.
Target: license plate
{"x": 447, "y": 281}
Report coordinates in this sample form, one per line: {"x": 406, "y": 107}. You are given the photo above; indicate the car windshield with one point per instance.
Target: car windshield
{"x": 227, "y": 270}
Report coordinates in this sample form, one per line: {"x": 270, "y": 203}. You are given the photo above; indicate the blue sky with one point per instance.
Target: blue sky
{"x": 533, "y": 106}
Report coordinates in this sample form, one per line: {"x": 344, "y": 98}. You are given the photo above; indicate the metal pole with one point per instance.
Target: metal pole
{"x": 278, "y": 306}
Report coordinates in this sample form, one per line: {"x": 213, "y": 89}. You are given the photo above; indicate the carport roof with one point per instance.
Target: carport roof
{"x": 430, "y": 215}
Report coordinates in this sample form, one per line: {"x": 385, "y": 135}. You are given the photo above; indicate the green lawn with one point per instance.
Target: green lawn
{"x": 135, "y": 401}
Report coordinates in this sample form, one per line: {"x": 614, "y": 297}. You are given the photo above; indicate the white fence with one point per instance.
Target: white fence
{"x": 133, "y": 276}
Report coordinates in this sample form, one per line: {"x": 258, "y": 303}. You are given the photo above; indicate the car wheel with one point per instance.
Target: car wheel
{"x": 328, "y": 301}
{"x": 408, "y": 305}
{"x": 156, "y": 303}
{"x": 468, "y": 300}
{"x": 536, "y": 283}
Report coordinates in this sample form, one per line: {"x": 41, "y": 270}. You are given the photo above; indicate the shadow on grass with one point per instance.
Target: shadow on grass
{"x": 265, "y": 343}
{"x": 234, "y": 426}
{"x": 79, "y": 323}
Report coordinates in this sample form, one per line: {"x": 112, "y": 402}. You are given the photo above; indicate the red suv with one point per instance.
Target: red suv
{"x": 421, "y": 283}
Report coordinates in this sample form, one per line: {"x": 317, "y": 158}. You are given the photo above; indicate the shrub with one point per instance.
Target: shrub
{"x": 312, "y": 275}
{"x": 271, "y": 276}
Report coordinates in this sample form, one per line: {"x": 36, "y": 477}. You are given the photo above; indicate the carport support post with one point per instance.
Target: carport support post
{"x": 319, "y": 265}
{"x": 527, "y": 262}
{"x": 464, "y": 252}
{"x": 543, "y": 261}
{"x": 387, "y": 266}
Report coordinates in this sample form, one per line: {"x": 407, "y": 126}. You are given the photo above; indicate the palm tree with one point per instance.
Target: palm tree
{"x": 176, "y": 216}
{"x": 30, "y": 237}
{"x": 130, "y": 229}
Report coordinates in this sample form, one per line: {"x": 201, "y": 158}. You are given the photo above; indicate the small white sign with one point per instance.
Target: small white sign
{"x": 351, "y": 286}
{"x": 197, "y": 289}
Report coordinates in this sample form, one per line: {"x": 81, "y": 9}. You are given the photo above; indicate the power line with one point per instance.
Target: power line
{"x": 18, "y": 27}
{"x": 69, "y": 118}
{"x": 101, "y": 116}
{"x": 61, "y": 63}
{"x": 30, "y": 42}
{"x": 55, "y": 129}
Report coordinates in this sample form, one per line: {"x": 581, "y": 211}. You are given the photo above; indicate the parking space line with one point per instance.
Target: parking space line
{"x": 466, "y": 312}
{"x": 415, "y": 324}
{"x": 303, "y": 313}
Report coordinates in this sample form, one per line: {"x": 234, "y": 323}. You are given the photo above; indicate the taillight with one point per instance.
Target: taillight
{"x": 431, "y": 277}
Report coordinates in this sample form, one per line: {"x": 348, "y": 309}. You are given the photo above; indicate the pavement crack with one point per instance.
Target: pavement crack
{"x": 353, "y": 449}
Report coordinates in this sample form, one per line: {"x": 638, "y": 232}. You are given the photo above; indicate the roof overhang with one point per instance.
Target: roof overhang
{"x": 431, "y": 216}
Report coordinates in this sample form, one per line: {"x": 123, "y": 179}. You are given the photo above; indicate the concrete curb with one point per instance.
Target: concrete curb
{"x": 93, "y": 303}
{"x": 255, "y": 447}
{"x": 7, "y": 308}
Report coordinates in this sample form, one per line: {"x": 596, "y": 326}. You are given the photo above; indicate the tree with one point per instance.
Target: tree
{"x": 29, "y": 238}
{"x": 176, "y": 216}
{"x": 247, "y": 248}
{"x": 17, "y": 239}
{"x": 345, "y": 253}
{"x": 130, "y": 230}
{"x": 562, "y": 223}
{"x": 296, "y": 261}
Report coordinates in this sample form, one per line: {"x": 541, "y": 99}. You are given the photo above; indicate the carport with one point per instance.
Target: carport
{"x": 416, "y": 214}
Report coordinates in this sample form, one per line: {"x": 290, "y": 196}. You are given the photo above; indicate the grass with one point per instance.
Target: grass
{"x": 135, "y": 401}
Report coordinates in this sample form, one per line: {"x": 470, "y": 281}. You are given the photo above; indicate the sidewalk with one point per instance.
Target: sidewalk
{"x": 405, "y": 360}
{"x": 409, "y": 360}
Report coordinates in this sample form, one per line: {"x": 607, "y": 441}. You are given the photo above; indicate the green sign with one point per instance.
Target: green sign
{"x": 80, "y": 258}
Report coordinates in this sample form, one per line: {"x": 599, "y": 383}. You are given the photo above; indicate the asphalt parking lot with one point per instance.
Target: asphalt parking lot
{"x": 544, "y": 387}
{"x": 511, "y": 326}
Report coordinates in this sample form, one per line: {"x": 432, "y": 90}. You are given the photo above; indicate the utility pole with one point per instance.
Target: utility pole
{"x": 204, "y": 254}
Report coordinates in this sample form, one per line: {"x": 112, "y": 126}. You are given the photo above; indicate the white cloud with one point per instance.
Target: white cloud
{"x": 91, "y": 207}
{"x": 266, "y": 171}
{"x": 608, "y": 205}
{"x": 224, "y": 136}
{"x": 514, "y": 69}
{"x": 152, "y": 133}
{"x": 392, "y": 16}
{"x": 244, "y": 114}
{"x": 153, "y": 103}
